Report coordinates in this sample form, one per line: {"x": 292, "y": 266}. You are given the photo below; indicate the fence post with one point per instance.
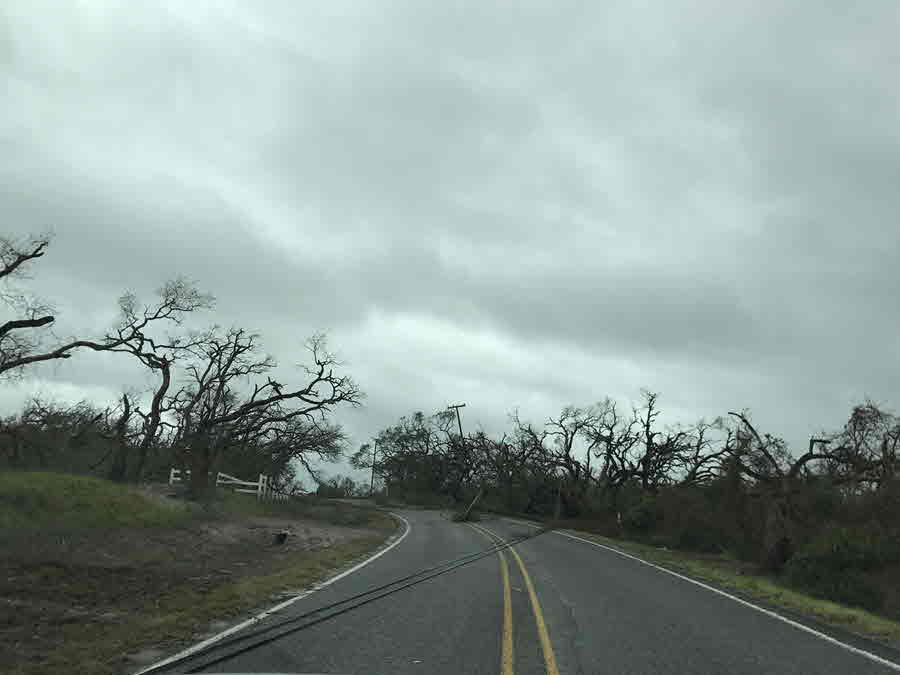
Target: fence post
{"x": 260, "y": 487}
{"x": 172, "y": 476}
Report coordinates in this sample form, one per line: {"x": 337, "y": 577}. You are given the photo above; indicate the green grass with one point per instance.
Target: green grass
{"x": 760, "y": 587}
{"x": 38, "y": 499}
{"x": 59, "y": 502}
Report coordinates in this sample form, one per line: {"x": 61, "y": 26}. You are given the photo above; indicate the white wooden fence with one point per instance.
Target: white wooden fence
{"x": 261, "y": 487}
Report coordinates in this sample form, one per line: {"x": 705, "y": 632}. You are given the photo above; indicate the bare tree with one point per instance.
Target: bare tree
{"x": 702, "y": 460}
{"x": 214, "y": 411}
{"x": 660, "y": 453}
{"x": 274, "y": 450}
{"x": 177, "y": 298}
{"x": 613, "y": 437}
{"x": 569, "y": 435}
{"x": 866, "y": 452}
{"x": 777, "y": 477}
{"x": 21, "y": 346}
{"x": 122, "y": 437}
{"x": 18, "y": 337}
{"x": 633, "y": 448}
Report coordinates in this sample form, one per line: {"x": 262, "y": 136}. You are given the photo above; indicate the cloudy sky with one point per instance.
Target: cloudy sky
{"x": 508, "y": 204}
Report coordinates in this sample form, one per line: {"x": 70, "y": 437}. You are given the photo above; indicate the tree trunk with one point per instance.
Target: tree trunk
{"x": 201, "y": 464}
{"x": 119, "y": 467}
{"x": 151, "y": 426}
{"x": 778, "y": 537}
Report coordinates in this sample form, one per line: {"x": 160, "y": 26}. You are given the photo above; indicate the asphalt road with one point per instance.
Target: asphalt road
{"x": 551, "y": 605}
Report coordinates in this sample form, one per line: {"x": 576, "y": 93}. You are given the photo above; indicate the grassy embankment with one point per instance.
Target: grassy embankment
{"x": 92, "y": 571}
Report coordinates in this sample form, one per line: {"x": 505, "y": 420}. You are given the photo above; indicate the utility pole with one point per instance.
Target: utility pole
{"x": 374, "y": 450}
{"x": 458, "y": 421}
{"x": 462, "y": 442}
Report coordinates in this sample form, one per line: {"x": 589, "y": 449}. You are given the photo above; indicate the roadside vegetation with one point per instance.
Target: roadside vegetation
{"x": 821, "y": 521}
{"x": 815, "y": 529}
{"x": 104, "y": 566}
{"x": 35, "y": 501}
{"x": 215, "y": 403}
{"x": 101, "y": 577}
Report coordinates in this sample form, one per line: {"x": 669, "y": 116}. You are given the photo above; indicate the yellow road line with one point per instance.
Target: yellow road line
{"x": 507, "y": 659}
{"x": 543, "y": 635}
{"x": 546, "y": 646}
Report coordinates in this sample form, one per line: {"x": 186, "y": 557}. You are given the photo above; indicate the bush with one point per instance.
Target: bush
{"x": 641, "y": 516}
{"x": 849, "y": 587}
{"x": 698, "y": 537}
{"x": 691, "y": 521}
{"x": 831, "y": 565}
{"x": 863, "y": 548}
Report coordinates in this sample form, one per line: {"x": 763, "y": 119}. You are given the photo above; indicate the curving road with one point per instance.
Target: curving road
{"x": 552, "y": 604}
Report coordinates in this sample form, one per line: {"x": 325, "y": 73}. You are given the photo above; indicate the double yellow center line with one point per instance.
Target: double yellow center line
{"x": 507, "y": 661}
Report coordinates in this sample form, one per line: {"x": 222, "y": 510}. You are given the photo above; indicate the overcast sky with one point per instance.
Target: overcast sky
{"x": 507, "y": 204}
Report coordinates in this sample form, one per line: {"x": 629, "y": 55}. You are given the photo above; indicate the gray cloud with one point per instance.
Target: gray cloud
{"x": 522, "y": 206}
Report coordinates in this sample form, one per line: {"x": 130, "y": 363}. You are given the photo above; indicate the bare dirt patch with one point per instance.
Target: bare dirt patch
{"x": 62, "y": 590}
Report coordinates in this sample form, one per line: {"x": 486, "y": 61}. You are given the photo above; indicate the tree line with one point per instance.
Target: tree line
{"x": 827, "y": 517}
{"x": 215, "y": 403}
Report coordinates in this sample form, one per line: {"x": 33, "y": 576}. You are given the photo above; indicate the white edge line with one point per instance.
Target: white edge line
{"x": 277, "y": 608}
{"x": 767, "y": 612}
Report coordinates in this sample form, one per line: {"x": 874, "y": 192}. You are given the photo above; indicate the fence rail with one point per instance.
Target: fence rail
{"x": 261, "y": 487}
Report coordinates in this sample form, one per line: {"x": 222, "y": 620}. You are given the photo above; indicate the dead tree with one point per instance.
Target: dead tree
{"x": 613, "y": 439}
{"x": 777, "y": 478}
{"x": 21, "y": 346}
{"x": 565, "y": 431}
{"x": 19, "y": 338}
{"x": 177, "y": 298}
{"x": 701, "y": 461}
{"x": 222, "y": 402}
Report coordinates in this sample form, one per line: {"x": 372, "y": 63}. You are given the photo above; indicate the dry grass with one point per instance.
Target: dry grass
{"x": 91, "y": 572}
{"x": 101, "y": 643}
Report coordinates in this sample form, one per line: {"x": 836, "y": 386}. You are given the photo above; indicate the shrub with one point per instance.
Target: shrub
{"x": 831, "y": 565}
{"x": 641, "y": 516}
{"x": 691, "y": 521}
{"x": 700, "y": 537}
{"x": 849, "y": 587}
{"x": 858, "y": 548}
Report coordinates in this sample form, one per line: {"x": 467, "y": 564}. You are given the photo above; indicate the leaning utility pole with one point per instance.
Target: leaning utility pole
{"x": 462, "y": 442}
{"x": 458, "y": 421}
